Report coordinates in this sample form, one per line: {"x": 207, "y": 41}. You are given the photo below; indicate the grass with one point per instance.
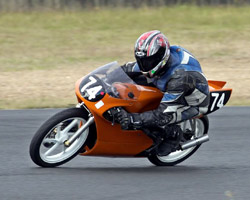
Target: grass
{"x": 63, "y": 43}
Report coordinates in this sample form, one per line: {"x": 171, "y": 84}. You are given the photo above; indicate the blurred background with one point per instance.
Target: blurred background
{"x": 47, "y": 45}
{"x": 20, "y": 5}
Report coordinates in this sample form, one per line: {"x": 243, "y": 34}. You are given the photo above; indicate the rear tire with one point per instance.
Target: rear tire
{"x": 47, "y": 147}
{"x": 174, "y": 158}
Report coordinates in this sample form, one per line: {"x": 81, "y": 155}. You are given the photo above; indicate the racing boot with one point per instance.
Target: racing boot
{"x": 171, "y": 142}
{"x": 157, "y": 135}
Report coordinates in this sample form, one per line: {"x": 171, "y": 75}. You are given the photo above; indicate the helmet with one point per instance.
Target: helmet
{"x": 152, "y": 51}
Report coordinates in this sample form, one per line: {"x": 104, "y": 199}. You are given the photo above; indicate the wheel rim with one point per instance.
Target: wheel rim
{"x": 178, "y": 155}
{"x": 52, "y": 148}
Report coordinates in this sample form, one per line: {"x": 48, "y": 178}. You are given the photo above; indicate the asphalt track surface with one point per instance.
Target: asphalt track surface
{"x": 220, "y": 169}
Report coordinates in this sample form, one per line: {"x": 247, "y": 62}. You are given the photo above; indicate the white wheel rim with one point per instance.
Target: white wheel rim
{"x": 55, "y": 151}
{"x": 177, "y": 155}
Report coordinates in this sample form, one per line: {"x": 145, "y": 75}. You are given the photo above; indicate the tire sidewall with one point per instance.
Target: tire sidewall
{"x": 46, "y": 127}
{"x": 153, "y": 158}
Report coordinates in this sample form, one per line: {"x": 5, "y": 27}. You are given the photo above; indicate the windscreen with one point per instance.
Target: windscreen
{"x": 111, "y": 73}
{"x": 106, "y": 79}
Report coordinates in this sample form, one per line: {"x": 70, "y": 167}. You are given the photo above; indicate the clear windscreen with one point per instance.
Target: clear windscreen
{"x": 110, "y": 73}
{"x": 115, "y": 80}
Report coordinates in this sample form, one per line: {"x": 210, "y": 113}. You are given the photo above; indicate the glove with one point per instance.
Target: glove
{"x": 128, "y": 120}
{"x": 124, "y": 118}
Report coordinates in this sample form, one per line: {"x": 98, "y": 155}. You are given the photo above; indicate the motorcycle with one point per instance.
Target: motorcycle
{"x": 90, "y": 129}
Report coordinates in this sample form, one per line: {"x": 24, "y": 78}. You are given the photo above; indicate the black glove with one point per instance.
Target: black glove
{"x": 128, "y": 120}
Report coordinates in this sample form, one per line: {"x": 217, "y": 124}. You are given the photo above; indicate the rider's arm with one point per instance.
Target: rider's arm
{"x": 133, "y": 71}
{"x": 130, "y": 67}
{"x": 186, "y": 96}
{"x": 169, "y": 110}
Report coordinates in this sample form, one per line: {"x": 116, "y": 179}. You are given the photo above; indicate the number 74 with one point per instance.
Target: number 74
{"x": 219, "y": 102}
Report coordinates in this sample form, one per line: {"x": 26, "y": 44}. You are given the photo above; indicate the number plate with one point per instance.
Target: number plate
{"x": 218, "y": 99}
{"x": 92, "y": 89}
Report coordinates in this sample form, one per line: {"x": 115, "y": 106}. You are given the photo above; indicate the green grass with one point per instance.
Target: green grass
{"x": 45, "y": 40}
{"x": 60, "y": 40}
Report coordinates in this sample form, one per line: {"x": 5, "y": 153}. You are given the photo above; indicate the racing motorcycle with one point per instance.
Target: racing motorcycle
{"x": 90, "y": 129}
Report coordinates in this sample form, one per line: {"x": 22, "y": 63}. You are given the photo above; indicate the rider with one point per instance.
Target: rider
{"x": 178, "y": 74}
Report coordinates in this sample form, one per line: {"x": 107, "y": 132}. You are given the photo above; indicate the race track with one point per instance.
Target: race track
{"x": 220, "y": 169}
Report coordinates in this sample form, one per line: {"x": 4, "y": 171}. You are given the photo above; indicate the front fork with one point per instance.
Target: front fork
{"x": 78, "y": 133}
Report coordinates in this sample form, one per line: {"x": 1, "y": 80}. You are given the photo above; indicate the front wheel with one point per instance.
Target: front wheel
{"x": 47, "y": 147}
{"x": 201, "y": 126}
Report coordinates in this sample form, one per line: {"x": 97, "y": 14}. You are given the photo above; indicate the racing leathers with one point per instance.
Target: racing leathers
{"x": 186, "y": 92}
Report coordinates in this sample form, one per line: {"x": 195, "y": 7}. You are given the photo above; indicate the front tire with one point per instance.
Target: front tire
{"x": 174, "y": 158}
{"x": 47, "y": 147}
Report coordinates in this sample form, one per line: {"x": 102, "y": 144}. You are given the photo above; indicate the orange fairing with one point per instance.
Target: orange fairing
{"x": 216, "y": 85}
{"x": 143, "y": 98}
{"x": 110, "y": 139}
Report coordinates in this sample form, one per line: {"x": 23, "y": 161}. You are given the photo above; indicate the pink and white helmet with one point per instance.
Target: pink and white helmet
{"x": 152, "y": 51}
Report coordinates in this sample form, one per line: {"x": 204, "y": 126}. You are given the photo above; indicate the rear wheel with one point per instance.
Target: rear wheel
{"x": 200, "y": 127}
{"x": 47, "y": 147}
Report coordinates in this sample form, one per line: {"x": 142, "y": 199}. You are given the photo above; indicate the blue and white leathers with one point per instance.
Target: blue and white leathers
{"x": 186, "y": 92}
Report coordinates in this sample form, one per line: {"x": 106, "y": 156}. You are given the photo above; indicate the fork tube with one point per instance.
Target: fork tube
{"x": 68, "y": 142}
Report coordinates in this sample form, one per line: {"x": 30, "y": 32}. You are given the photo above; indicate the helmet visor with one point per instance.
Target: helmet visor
{"x": 148, "y": 63}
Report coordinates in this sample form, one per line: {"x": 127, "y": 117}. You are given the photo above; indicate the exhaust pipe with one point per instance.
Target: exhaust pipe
{"x": 195, "y": 142}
